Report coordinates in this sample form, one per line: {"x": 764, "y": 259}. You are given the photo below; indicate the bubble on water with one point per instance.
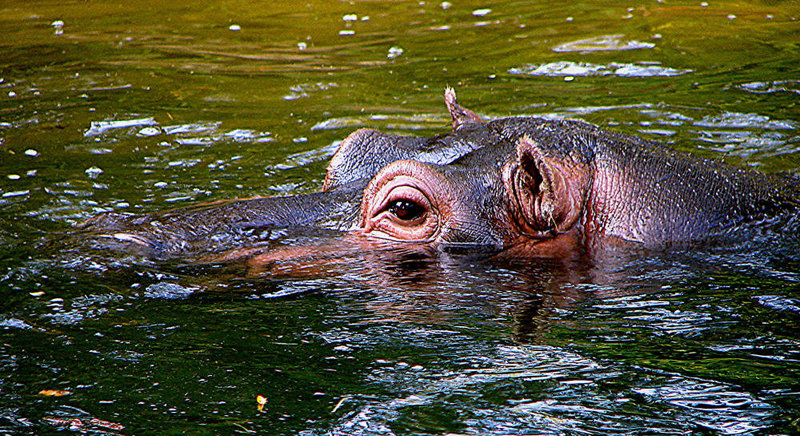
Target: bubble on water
{"x": 481, "y": 12}
{"x": 12, "y": 94}
{"x": 93, "y": 172}
{"x": 31, "y": 152}
{"x": 149, "y": 131}
{"x": 602, "y": 43}
{"x": 347, "y": 32}
{"x": 394, "y": 52}
{"x": 350, "y": 17}
{"x": 302, "y": 46}
{"x": 234, "y": 27}
{"x": 13, "y": 177}
{"x": 160, "y": 184}
{"x": 58, "y": 26}
{"x": 445, "y": 5}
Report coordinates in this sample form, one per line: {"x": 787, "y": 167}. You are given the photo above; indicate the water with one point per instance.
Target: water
{"x": 145, "y": 106}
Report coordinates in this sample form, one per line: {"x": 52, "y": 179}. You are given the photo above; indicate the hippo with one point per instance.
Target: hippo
{"x": 526, "y": 183}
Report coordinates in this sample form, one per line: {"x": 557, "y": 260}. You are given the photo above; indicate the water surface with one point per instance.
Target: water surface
{"x": 142, "y": 106}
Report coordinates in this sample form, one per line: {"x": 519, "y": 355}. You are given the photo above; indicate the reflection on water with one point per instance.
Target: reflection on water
{"x": 142, "y": 107}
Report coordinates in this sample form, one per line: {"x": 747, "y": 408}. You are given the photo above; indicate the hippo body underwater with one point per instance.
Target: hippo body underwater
{"x": 510, "y": 182}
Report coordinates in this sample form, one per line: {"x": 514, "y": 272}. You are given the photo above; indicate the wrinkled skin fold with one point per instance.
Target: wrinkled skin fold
{"x": 527, "y": 184}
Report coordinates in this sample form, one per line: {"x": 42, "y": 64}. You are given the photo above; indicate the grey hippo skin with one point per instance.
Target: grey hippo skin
{"x": 510, "y": 182}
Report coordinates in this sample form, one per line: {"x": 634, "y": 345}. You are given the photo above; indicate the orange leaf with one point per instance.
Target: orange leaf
{"x": 54, "y": 393}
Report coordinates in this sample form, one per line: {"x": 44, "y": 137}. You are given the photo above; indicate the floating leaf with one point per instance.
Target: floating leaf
{"x": 262, "y": 401}
{"x": 54, "y": 393}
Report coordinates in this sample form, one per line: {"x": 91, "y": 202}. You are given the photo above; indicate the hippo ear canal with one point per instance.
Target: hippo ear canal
{"x": 542, "y": 190}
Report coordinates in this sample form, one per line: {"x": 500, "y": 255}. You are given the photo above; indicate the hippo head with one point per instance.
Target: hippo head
{"x": 507, "y": 182}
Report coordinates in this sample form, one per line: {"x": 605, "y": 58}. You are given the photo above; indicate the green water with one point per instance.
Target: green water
{"x": 142, "y": 106}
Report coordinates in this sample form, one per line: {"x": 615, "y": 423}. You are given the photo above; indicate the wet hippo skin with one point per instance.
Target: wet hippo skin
{"x": 509, "y": 182}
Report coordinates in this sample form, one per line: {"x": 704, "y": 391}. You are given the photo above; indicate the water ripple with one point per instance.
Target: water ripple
{"x": 713, "y": 406}
{"x": 602, "y": 43}
{"x": 792, "y": 86}
{"x": 727, "y": 120}
{"x": 582, "y": 69}
{"x": 546, "y": 390}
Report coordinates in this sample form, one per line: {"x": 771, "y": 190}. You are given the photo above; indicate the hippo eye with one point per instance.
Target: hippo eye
{"x": 400, "y": 209}
{"x": 406, "y": 210}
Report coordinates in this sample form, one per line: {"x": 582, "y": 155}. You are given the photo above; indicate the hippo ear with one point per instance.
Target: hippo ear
{"x": 460, "y": 115}
{"x": 547, "y": 193}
